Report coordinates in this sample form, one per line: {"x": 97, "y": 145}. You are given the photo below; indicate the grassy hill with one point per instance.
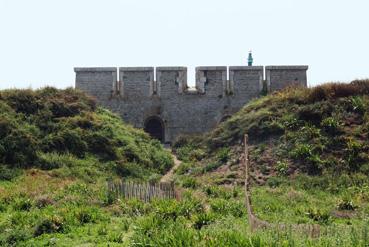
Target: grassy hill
{"x": 57, "y": 149}
{"x": 299, "y": 130}
{"x": 51, "y": 129}
{"x": 309, "y": 153}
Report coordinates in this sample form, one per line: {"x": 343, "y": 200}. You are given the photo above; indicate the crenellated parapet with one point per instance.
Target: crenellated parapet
{"x": 142, "y": 95}
{"x": 279, "y": 77}
{"x": 171, "y": 81}
{"x": 212, "y": 81}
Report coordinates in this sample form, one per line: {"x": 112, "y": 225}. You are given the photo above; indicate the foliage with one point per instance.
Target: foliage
{"x": 50, "y": 128}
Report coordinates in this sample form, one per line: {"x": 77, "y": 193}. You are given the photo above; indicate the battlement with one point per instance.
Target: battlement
{"x": 149, "y": 97}
{"x": 210, "y": 80}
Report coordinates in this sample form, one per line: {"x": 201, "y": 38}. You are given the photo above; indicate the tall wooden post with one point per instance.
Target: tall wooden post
{"x": 247, "y": 187}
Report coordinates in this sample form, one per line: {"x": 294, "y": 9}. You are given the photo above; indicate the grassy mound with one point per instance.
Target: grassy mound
{"x": 309, "y": 153}
{"x": 51, "y": 129}
{"x": 317, "y": 130}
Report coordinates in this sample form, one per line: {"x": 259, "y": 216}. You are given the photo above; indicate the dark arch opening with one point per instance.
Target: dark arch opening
{"x": 155, "y": 128}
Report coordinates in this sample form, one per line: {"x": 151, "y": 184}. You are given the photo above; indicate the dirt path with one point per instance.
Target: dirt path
{"x": 169, "y": 176}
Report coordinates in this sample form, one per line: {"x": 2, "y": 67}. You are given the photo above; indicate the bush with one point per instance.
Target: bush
{"x": 218, "y": 191}
{"x": 189, "y": 182}
{"x": 127, "y": 169}
{"x": 282, "y": 168}
{"x": 337, "y": 90}
{"x": 330, "y": 125}
{"x": 227, "y": 207}
{"x": 166, "y": 209}
{"x": 19, "y": 148}
{"x": 222, "y": 155}
{"x": 184, "y": 168}
{"x": 190, "y": 206}
{"x": 22, "y": 204}
{"x": 274, "y": 182}
{"x": 203, "y": 219}
{"x": 86, "y": 215}
{"x": 101, "y": 144}
{"x": 65, "y": 141}
{"x": 212, "y": 166}
{"x": 358, "y": 105}
{"x": 16, "y": 236}
{"x": 43, "y": 201}
{"x": 22, "y": 101}
{"x": 7, "y": 173}
{"x": 312, "y": 182}
{"x": 346, "y": 204}
{"x": 318, "y": 216}
{"x": 52, "y": 224}
{"x": 134, "y": 207}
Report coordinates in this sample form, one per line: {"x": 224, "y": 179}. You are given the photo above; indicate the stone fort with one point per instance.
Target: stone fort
{"x": 164, "y": 106}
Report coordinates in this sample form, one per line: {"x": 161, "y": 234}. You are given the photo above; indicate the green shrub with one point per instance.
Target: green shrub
{"x": 52, "y": 224}
{"x": 330, "y": 125}
{"x": 189, "y": 182}
{"x": 19, "y": 148}
{"x": 87, "y": 215}
{"x": 274, "y": 182}
{"x": 346, "y": 204}
{"x": 134, "y": 207}
{"x": 183, "y": 153}
{"x": 228, "y": 207}
{"x": 22, "y": 204}
{"x": 16, "y": 236}
{"x": 68, "y": 141}
{"x": 218, "y": 191}
{"x": 184, "y": 168}
{"x": 7, "y": 173}
{"x": 358, "y": 105}
{"x": 101, "y": 144}
{"x": 312, "y": 182}
{"x": 190, "y": 206}
{"x": 23, "y": 101}
{"x": 203, "y": 219}
{"x": 282, "y": 168}
{"x": 212, "y": 166}
{"x": 318, "y": 216}
{"x": 43, "y": 201}
{"x": 166, "y": 209}
{"x": 127, "y": 169}
{"x": 223, "y": 155}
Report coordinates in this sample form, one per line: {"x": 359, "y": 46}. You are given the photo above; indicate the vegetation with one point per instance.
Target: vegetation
{"x": 309, "y": 156}
{"x": 55, "y": 129}
{"x": 309, "y": 153}
{"x": 57, "y": 149}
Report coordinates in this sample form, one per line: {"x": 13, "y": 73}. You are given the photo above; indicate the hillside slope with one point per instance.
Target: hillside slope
{"x": 309, "y": 154}
{"x": 48, "y": 128}
{"x": 57, "y": 150}
{"x": 299, "y": 130}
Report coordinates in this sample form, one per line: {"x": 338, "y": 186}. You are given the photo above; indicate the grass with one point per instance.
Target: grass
{"x": 309, "y": 165}
{"x": 309, "y": 156}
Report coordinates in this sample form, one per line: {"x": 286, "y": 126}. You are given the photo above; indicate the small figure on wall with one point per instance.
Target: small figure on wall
{"x": 250, "y": 60}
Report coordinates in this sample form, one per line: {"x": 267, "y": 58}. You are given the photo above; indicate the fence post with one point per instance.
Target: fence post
{"x": 247, "y": 189}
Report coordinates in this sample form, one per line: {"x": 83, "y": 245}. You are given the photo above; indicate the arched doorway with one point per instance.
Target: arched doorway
{"x": 155, "y": 128}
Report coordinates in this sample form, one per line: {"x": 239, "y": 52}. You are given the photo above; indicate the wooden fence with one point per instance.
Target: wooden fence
{"x": 142, "y": 191}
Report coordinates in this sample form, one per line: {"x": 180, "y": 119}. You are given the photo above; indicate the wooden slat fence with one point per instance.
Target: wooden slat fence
{"x": 142, "y": 191}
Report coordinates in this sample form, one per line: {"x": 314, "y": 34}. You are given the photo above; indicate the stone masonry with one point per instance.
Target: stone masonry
{"x": 166, "y": 107}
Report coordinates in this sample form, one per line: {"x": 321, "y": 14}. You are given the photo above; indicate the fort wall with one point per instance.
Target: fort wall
{"x": 140, "y": 98}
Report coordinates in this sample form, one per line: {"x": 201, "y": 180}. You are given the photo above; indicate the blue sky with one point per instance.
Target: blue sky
{"x": 42, "y": 40}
